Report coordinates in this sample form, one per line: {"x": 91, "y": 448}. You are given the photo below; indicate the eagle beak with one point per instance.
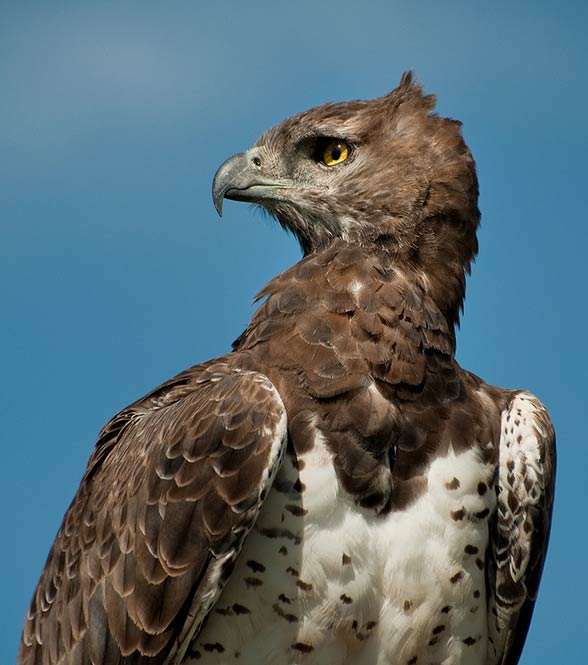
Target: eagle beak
{"x": 240, "y": 178}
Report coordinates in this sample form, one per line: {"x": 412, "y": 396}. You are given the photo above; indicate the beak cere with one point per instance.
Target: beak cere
{"x": 240, "y": 179}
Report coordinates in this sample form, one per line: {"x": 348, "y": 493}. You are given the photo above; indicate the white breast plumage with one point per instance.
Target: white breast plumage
{"x": 323, "y": 581}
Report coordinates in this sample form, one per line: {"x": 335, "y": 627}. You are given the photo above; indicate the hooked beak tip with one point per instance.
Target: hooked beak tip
{"x": 224, "y": 178}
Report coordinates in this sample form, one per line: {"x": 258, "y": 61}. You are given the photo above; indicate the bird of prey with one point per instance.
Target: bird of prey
{"x": 337, "y": 489}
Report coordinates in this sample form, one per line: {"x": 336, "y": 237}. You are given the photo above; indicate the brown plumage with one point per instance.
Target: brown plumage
{"x": 353, "y": 348}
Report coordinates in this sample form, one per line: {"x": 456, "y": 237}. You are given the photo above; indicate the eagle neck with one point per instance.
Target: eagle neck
{"x": 437, "y": 262}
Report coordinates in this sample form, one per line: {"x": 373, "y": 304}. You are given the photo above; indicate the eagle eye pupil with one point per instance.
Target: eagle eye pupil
{"x": 334, "y": 152}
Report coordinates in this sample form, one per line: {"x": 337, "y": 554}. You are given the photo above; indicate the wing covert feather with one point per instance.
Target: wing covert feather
{"x": 173, "y": 487}
{"x": 520, "y": 534}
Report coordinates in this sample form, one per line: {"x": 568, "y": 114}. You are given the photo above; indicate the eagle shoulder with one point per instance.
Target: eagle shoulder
{"x": 520, "y": 531}
{"x": 171, "y": 491}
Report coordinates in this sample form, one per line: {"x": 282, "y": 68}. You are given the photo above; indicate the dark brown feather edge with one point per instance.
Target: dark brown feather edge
{"x": 68, "y": 619}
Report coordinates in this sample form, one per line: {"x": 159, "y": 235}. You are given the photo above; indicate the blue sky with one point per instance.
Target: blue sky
{"x": 115, "y": 272}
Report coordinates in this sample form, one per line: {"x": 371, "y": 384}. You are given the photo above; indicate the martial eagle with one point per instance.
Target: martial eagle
{"x": 337, "y": 489}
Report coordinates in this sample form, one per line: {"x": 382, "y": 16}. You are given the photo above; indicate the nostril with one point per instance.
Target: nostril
{"x": 256, "y": 161}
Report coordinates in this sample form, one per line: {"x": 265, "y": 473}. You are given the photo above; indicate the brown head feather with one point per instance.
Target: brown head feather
{"x": 408, "y": 190}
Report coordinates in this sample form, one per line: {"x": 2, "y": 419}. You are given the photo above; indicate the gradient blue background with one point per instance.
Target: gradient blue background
{"x": 115, "y": 272}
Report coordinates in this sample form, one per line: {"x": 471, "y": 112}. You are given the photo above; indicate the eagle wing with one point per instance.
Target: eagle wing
{"x": 520, "y": 533}
{"x": 174, "y": 485}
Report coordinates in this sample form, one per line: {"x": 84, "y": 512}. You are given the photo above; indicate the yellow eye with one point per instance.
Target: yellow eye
{"x": 335, "y": 152}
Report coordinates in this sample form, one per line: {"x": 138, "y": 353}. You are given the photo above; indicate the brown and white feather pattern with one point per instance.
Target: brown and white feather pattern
{"x": 169, "y": 495}
{"x": 408, "y": 522}
{"x": 521, "y": 526}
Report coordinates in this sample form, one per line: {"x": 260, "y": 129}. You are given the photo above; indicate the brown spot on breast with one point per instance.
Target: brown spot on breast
{"x": 216, "y": 646}
{"x": 456, "y": 577}
{"x": 453, "y": 484}
{"x": 302, "y": 647}
{"x": 283, "y": 550}
{"x": 284, "y": 599}
{"x": 224, "y": 611}
{"x": 407, "y": 605}
{"x": 298, "y": 463}
{"x": 370, "y": 625}
{"x": 299, "y": 486}
{"x": 446, "y": 609}
{"x": 354, "y": 625}
{"x": 253, "y": 582}
{"x": 280, "y": 533}
{"x": 290, "y": 618}
{"x": 476, "y": 593}
{"x": 292, "y": 571}
{"x": 482, "y": 514}
{"x": 345, "y": 599}
{"x": 298, "y": 511}
{"x": 194, "y": 653}
{"x": 438, "y": 629}
{"x": 412, "y": 661}
{"x": 469, "y": 641}
{"x": 240, "y": 609}
{"x": 303, "y": 585}
{"x": 480, "y": 563}
{"x": 482, "y": 488}
{"x": 457, "y": 515}
{"x": 433, "y": 641}
{"x": 255, "y": 566}
{"x": 470, "y": 549}
{"x": 345, "y": 560}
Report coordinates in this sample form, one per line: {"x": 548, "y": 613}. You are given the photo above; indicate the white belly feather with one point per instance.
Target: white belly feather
{"x": 321, "y": 581}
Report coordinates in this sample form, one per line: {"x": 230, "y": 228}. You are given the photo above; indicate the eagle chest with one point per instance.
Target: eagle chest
{"x": 320, "y": 580}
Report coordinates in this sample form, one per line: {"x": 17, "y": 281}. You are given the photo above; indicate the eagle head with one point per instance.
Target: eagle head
{"x": 386, "y": 173}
